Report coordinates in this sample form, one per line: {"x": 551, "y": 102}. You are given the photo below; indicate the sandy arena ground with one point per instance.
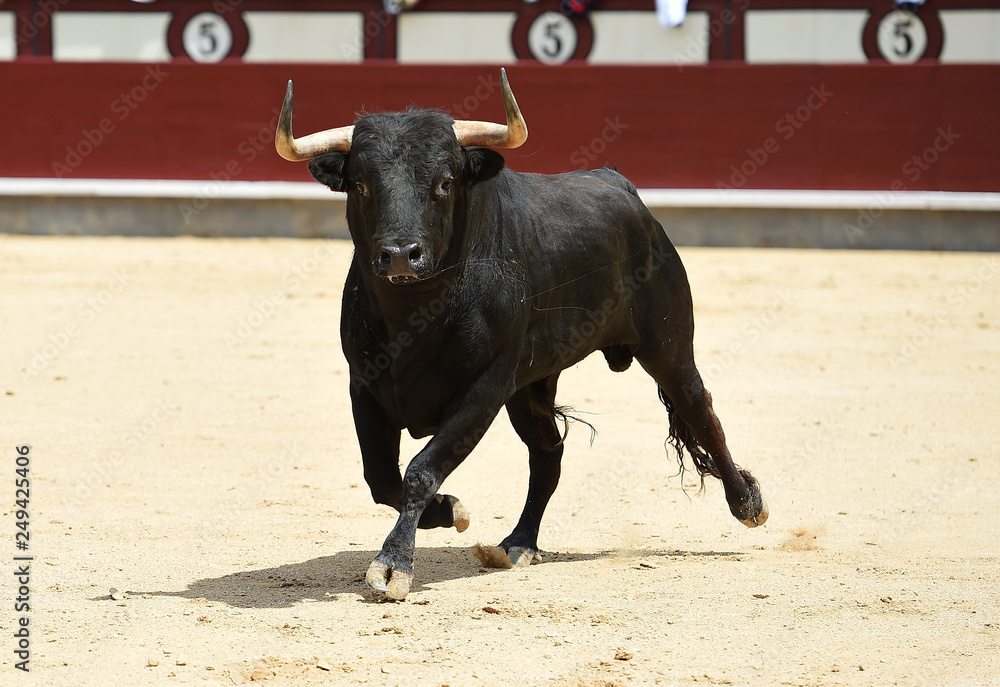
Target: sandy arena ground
{"x": 186, "y": 406}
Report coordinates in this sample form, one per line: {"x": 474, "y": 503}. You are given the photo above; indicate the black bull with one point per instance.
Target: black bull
{"x": 472, "y": 287}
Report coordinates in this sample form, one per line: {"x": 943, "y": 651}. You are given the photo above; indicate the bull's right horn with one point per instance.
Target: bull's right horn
{"x": 297, "y": 149}
{"x": 490, "y": 135}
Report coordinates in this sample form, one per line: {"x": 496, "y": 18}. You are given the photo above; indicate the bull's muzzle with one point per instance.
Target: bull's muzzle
{"x": 402, "y": 262}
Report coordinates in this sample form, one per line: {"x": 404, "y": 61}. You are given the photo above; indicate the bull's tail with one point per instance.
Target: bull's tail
{"x": 681, "y": 438}
{"x": 564, "y": 413}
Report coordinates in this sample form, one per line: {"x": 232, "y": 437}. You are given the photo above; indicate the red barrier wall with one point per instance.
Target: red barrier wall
{"x": 923, "y": 127}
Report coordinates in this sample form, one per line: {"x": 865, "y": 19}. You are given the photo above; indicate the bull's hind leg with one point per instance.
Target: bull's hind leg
{"x": 533, "y": 415}
{"x": 694, "y": 426}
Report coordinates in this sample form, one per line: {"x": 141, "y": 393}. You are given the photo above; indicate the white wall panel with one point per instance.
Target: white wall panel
{"x": 8, "y": 37}
{"x": 805, "y": 36}
{"x": 455, "y": 37}
{"x": 305, "y": 36}
{"x": 110, "y": 36}
{"x": 639, "y": 38}
{"x": 970, "y": 36}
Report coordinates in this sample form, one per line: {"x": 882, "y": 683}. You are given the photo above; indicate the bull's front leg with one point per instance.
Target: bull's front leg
{"x": 379, "y": 442}
{"x": 469, "y": 418}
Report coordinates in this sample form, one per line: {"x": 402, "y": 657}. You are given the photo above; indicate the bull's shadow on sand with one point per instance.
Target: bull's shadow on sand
{"x": 323, "y": 578}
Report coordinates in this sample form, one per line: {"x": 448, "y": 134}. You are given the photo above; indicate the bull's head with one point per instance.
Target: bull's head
{"x": 405, "y": 174}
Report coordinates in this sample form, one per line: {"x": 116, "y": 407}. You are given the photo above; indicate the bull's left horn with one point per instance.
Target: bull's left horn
{"x": 490, "y": 135}
{"x": 296, "y": 149}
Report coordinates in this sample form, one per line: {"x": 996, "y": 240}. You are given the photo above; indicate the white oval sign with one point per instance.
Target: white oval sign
{"x": 902, "y": 37}
{"x": 552, "y": 38}
{"x": 207, "y": 38}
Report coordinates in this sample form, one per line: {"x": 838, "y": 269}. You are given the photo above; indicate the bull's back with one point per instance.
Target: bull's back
{"x": 581, "y": 216}
{"x": 590, "y": 249}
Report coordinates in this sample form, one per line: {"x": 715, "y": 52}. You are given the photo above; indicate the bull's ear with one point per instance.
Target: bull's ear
{"x": 481, "y": 164}
{"x": 330, "y": 170}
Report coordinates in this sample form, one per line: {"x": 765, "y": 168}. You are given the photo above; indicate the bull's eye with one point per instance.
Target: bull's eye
{"x": 444, "y": 188}
{"x": 361, "y": 188}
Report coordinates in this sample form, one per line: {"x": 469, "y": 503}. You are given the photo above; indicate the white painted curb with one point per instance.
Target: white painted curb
{"x": 659, "y": 198}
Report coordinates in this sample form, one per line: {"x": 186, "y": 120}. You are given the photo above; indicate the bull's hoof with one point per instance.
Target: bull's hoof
{"x": 521, "y": 549}
{"x": 377, "y": 576}
{"x": 394, "y": 583}
{"x": 460, "y": 514}
{"x": 399, "y": 585}
{"x": 756, "y": 516}
{"x": 444, "y": 510}
{"x": 752, "y": 512}
{"x": 521, "y": 557}
{"x": 506, "y": 556}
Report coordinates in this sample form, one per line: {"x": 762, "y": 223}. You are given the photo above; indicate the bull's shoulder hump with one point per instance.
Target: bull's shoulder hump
{"x": 613, "y": 178}
{"x": 583, "y": 208}
{"x": 605, "y": 185}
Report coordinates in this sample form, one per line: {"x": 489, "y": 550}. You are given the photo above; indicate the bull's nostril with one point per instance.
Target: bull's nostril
{"x": 395, "y": 261}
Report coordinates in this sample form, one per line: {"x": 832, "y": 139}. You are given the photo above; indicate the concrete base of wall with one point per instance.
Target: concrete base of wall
{"x": 793, "y": 219}
{"x": 826, "y": 228}
{"x": 224, "y": 217}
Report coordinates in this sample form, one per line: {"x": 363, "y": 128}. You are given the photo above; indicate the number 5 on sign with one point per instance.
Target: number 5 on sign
{"x": 207, "y": 38}
{"x": 902, "y": 37}
{"x": 552, "y": 38}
